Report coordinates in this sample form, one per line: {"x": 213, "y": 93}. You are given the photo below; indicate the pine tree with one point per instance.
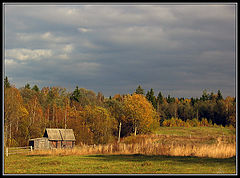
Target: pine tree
{"x": 170, "y": 99}
{"x": 27, "y": 86}
{"x": 219, "y": 95}
{"x": 205, "y": 96}
{"x": 35, "y": 88}
{"x": 150, "y": 97}
{"x": 139, "y": 90}
{"x": 160, "y": 98}
{"x": 75, "y": 95}
{"x": 6, "y": 83}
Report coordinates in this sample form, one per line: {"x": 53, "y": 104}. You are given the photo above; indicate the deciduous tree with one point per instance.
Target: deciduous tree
{"x": 140, "y": 113}
{"x": 99, "y": 120}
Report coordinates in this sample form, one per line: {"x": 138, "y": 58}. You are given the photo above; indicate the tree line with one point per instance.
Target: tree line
{"x": 210, "y": 106}
{"x": 96, "y": 119}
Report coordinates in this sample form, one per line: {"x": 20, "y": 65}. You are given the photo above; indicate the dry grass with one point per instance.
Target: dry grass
{"x": 212, "y": 151}
{"x": 152, "y": 145}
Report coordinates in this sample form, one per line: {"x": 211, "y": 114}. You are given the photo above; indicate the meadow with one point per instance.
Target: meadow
{"x": 117, "y": 164}
{"x": 177, "y": 150}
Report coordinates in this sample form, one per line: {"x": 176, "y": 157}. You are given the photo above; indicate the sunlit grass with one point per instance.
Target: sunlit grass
{"x": 117, "y": 164}
{"x": 176, "y": 150}
{"x": 196, "y": 131}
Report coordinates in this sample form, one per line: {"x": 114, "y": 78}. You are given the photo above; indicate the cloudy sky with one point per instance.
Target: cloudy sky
{"x": 176, "y": 49}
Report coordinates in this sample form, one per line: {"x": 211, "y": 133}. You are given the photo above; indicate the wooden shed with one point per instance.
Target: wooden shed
{"x": 39, "y": 143}
{"x": 54, "y": 138}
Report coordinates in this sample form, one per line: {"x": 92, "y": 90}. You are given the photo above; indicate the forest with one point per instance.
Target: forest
{"x": 97, "y": 119}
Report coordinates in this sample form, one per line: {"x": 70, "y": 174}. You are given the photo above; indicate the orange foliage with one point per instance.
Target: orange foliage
{"x": 140, "y": 112}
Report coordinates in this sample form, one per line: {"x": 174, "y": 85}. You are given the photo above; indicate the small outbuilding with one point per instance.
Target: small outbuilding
{"x": 54, "y": 138}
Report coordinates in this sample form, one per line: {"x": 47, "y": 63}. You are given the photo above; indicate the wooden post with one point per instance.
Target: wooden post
{"x": 30, "y": 148}
{"x": 10, "y": 134}
{"x": 6, "y": 151}
{"x": 120, "y": 124}
{"x": 197, "y": 113}
{"x": 135, "y": 130}
{"x": 65, "y": 119}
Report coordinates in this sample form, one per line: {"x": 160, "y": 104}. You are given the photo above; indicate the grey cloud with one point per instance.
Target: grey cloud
{"x": 181, "y": 49}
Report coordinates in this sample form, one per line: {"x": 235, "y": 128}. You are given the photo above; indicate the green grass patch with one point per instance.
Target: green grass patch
{"x": 136, "y": 163}
{"x": 196, "y": 135}
{"x": 196, "y": 131}
{"x": 117, "y": 164}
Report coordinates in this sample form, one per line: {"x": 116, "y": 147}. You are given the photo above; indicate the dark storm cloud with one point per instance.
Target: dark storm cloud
{"x": 177, "y": 49}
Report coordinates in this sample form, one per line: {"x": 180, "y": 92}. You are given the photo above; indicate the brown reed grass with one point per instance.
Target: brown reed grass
{"x": 150, "y": 146}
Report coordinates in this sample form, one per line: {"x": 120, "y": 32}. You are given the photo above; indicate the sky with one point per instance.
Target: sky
{"x": 177, "y": 49}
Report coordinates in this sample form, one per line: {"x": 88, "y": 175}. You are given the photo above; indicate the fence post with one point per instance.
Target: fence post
{"x": 30, "y": 148}
{"x": 6, "y": 151}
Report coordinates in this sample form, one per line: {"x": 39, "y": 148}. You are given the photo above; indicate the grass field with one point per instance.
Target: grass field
{"x": 117, "y": 164}
{"x": 196, "y": 131}
{"x": 176, "y": 150}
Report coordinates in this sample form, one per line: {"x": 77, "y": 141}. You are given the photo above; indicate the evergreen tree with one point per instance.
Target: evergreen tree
{"x": 219, "y": 95}
{"x": 211, "y": 96}
{"x": 27, "y": 86}
{"x": 75, "y": 95}
{"x": 6, "y": 83}
{"x": 35, "y": 88}
{"x": 160, "y": 98}
{"x": 170, "y": 99}
{"x": 204, "y": 96}
{"x": 150, "y": 97}
{"x": 139, "y": 90}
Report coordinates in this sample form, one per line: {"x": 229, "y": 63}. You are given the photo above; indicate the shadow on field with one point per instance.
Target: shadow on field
{"x": 159, "y": 158}
{"x": 37, "y": 155}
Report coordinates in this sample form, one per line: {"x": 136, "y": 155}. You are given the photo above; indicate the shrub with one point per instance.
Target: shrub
{"x": 176, "y": 122}
{"x": 204, "y": 122}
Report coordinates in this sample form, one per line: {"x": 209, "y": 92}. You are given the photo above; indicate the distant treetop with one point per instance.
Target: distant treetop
{"x": 139, "y": 90}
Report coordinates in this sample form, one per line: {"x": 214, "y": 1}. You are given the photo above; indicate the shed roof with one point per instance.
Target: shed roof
{"x": 37, "y": 138}
{"x": 59, "y": 134}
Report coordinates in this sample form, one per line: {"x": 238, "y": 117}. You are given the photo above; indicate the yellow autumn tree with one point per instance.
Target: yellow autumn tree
{"x": 140, "y": 113}
{"x": 14, "y": 112}
{"x": 100, "y": 123}
{"x": 230, "y": 106}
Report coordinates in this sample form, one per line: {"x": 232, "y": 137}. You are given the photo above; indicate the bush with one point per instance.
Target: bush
{"x": 176, "y": 122}
{"x": 204, "y": 122}
{"x": 195, "y": 123}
